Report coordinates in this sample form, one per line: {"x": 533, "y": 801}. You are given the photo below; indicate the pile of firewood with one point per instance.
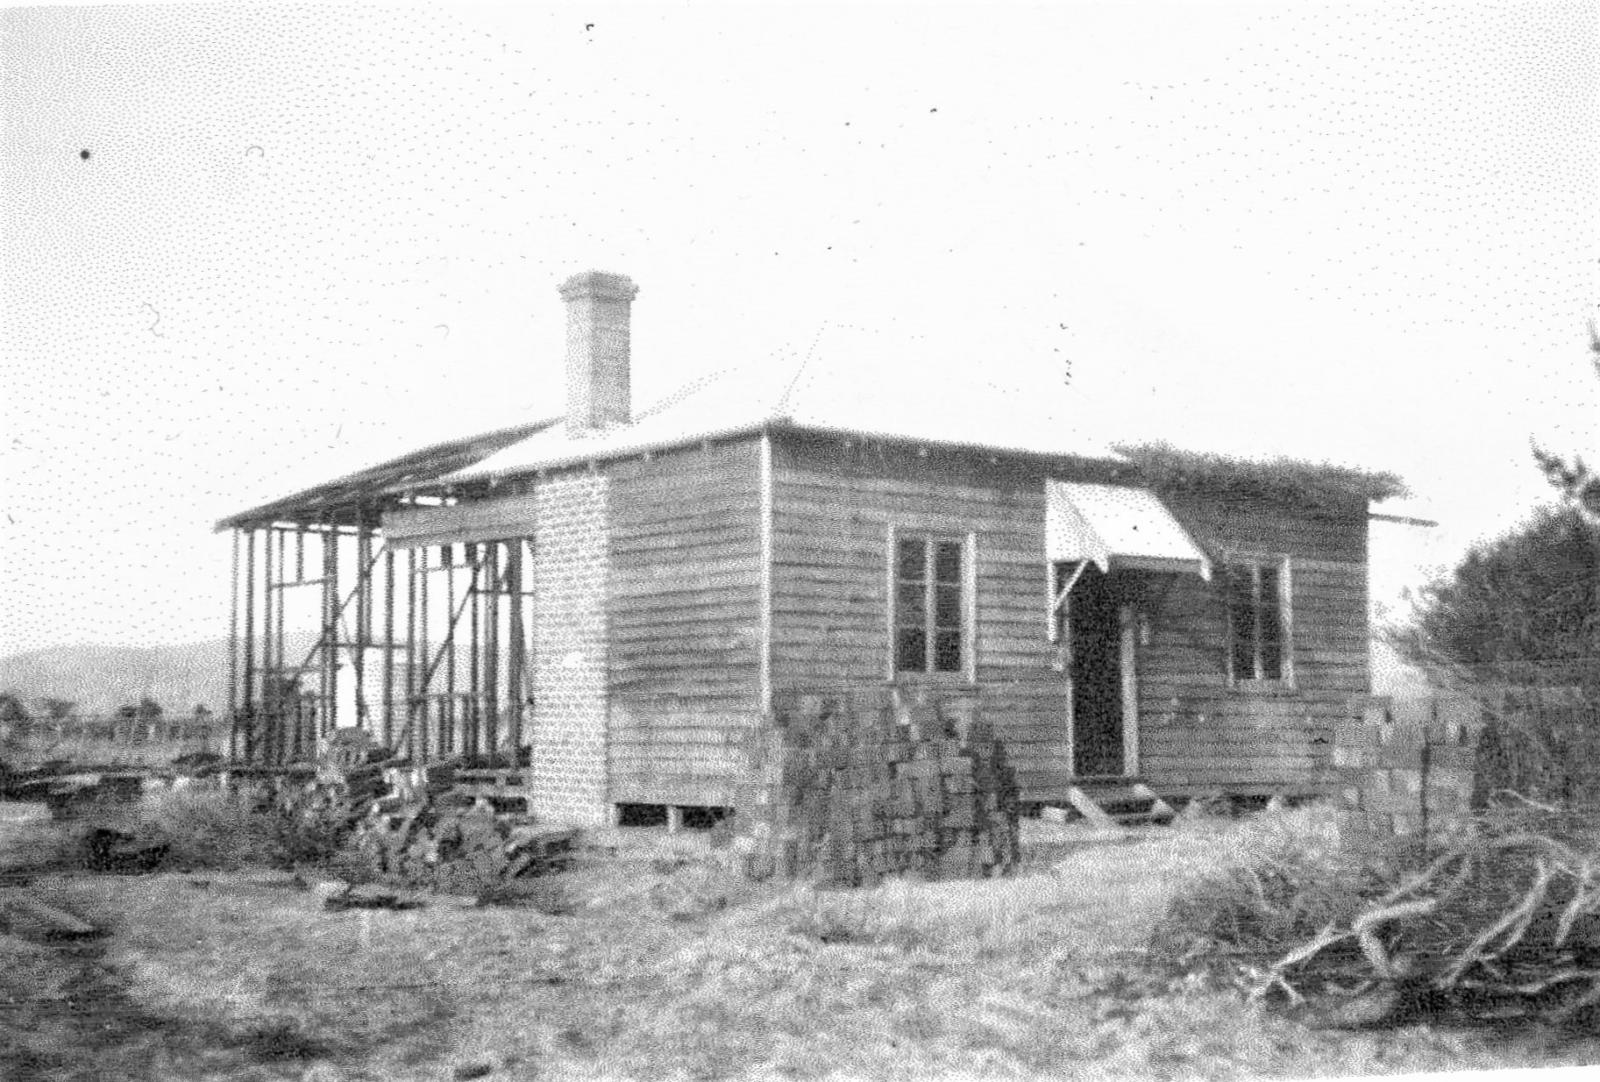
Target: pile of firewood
{"x": 851, "y": 795}
{"x": 1499, "y": 926}
{"x": 411, "y": 826}
{"x": 458, "y": 846}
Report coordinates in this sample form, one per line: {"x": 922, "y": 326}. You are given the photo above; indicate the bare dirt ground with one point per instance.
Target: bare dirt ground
{"x": 651, "y": 959}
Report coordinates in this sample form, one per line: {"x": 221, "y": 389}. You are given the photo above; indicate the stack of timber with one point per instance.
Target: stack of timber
{"x": 421, "y": 826}
{"x": 458, "y": 845}
{"x": 66, "y": 789}
{"x": 849, "y": 789}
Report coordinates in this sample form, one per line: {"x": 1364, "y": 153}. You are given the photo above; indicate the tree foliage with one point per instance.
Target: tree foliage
{"x": 1530, "y": 596}
{"x": 146, "y": 709}
{"x": 59, "y": 709}
{"x": 1574, "y": 478}
{"x": 12, "y": 707}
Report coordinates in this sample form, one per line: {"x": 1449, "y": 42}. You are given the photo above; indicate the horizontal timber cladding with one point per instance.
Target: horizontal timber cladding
{"x": 833, "y": 505}
{"x": 479, "y": 520}
{"x": 684, "y": 614}
{"x": 1197, "y": 730}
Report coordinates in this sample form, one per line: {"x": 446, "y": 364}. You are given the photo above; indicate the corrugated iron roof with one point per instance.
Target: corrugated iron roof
{"x": 842, "y": 385}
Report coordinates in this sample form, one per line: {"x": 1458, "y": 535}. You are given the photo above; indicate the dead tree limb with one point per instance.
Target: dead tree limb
{"x": 1515, "y": 922}
{"x": 1365, "y": 929}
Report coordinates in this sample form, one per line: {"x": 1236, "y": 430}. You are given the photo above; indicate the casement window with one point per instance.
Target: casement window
{"x": 930, "y": 620}
{"x": 1259, "y": 624}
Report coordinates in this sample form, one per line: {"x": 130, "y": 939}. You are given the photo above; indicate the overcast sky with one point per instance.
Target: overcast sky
{"x": 246, "y": 249}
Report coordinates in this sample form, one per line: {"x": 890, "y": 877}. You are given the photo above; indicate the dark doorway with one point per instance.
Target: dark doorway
{"x": 1095, "y": 630}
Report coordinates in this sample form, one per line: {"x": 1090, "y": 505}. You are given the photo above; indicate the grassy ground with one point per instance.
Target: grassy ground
{"x": 652, "y": 960}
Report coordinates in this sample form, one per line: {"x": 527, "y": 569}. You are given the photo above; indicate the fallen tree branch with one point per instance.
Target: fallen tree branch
{"x": 1534, "y": 988}
{"x": 1426, "y": 876}
{"x": 1529, "y": 801}
{"x": 1515, "y": 921}
{"x": 1274, "y": 976}
{"x": 1505, "y": 923}
{"x": 1584, "y": 902}
{"x": 1365, "y": 929}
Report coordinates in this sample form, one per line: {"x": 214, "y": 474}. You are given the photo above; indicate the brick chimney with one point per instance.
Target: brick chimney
{"x": 598, "y": 307}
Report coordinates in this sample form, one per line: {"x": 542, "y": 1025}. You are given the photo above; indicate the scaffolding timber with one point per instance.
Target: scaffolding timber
{"x": 422, "y": 646}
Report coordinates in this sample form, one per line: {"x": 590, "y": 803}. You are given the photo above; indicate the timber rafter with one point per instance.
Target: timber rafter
{"x": 358, "y": 499}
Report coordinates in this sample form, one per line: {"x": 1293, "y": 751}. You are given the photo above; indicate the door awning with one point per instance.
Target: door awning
{"x": 1115, "y": 526}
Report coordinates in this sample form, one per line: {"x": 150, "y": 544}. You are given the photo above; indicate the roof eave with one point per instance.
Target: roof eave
{"x": 565, "y": 461}
{"x": 775, "y": 424}
{"x": 1033, "y": 454}
{"x": 349, "y": 490}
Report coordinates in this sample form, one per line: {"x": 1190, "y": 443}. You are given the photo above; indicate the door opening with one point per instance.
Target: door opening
{"x": 1095, "y": 640}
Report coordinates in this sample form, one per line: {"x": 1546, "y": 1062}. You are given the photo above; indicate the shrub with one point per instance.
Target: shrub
{"x": 205, "y": 828}
{"x": 311, "y": 825}
{"x": 188, "y": 828}
{"x": 218, "y": 829}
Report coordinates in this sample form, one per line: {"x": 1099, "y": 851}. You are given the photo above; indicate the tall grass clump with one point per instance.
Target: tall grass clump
{"x": 217, "y": 829}
{"x": 1254, "y": 891}
{"x": 204, "y": 828}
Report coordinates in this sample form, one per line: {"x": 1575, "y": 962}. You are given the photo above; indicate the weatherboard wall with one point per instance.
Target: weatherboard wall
{"x": 833, "y": 509}
{"x": 834, "y": 505}
{"x": 684, "y": 615}
{"x": 1198, "y": 731}
{"x": 697, "y": 626}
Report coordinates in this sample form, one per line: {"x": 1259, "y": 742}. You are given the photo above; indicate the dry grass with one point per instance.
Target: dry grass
{"x": 1267, "y": 884}
{"x": 670, "y": 966}
{"x": 1498, "y": 924}
{"x": 207, "y": 828}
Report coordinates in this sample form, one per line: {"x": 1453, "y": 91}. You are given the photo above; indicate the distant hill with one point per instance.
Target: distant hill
{"x": 102, "y": 678}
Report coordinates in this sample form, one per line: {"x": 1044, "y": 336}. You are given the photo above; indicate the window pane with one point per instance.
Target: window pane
{"x": 910, "y": 650}
{"x": 1269, "y": 585}
{"x": 947, "y": 561}
{"x": 947, "y": 651}
{"x": 1242, "y": 621}
{"x": 1271, "y": 626}
{"x": 910, "y": 599}
{"x": 947, "y": 606}
{"x": 909, "y": 560}
{"x": 1271, "y": 660}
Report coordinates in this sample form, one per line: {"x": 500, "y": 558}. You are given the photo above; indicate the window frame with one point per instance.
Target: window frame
{"x": 930, "y": 535}
{"x": 1281, "y": 563}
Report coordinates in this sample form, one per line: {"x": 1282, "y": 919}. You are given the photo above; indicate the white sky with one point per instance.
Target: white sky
{"x": 308, "y": 238}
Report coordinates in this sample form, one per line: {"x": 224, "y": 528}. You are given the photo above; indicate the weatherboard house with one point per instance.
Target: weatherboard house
{"x": 608, "y": 600}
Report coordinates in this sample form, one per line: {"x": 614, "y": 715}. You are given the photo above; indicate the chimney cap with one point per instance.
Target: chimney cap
{"x": 599, "y": 284}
